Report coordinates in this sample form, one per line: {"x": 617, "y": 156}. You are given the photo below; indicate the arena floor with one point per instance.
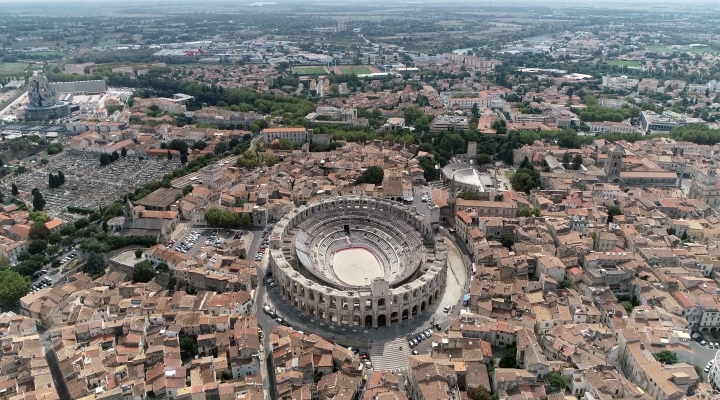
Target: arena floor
{"x": 356, "y": 267}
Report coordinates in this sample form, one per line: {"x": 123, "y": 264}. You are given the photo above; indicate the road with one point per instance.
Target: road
{"x": 702, "y": 355}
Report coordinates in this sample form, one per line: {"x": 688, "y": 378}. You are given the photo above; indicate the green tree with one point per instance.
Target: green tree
{"x": 529, "y": 212}
{"x": 123, "y": 152}
{"x": 666, "y": 357}
{"x": 509, "y": 360}
{"x": 13, "y": 286}
{"x": 468, "y": 195}
{"x": 113, "y": 210}
{"x": 221, "y": 218}
{"x": 285, "y": 144}
{"x": 249, "y": 159}
{"x": 670, "y": 231}
{"x": 628, "y": 307}
{"x": 81, "y": 223}
{"x": 188, "y": 347}
{"x": 245, "y": 220}
{"x": 169, "y": 155}
{"x": 567, "y": 284}
{"x": 138, "y": 253}
{"x": 52, "y": 250}
{"x": 38, "y": 201}
{"x": 38, "y": 231}
{"x": 556, "y": 380}
{"x": 482, "y": 159}
{"x": 143, "y": 272}
{"x": 39, "y": 216}
{"x": 525, "y": 180}
{"x": 105, "y": 159}
{"x": 508, "y": 241}
{"x": 95, "y": 264}
{"x": 37, "y": 246}
{"x": 479, "y": 393}
{"x": 684, "y": 236}
{"x": 577, "y": 161}
{"x": 15, "y": 190}
{"x": 270, "y": 160}
{"x": 612, "y": 211}
{"x": 183, "y": 159}
{"x": 373, "y": 175}
{"x": 115, "y": 156}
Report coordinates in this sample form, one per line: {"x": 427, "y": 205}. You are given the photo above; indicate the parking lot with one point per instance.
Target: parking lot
{"x": 196, "y": 240}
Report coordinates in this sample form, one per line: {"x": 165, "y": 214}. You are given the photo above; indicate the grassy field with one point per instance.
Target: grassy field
{"x": 13, "y": 68}
{"x": 622, "y": 63}
{"x": 356, "y": 70}
{"x": 309, "y": 70}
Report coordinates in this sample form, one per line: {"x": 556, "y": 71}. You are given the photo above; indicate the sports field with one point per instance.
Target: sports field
{"x": 309, "y": 70}
{"x": 13, "y": 68}
{"x": 622, "y": 63}
{"x": 681, "y": 49}
{"x": 358, "y": 70}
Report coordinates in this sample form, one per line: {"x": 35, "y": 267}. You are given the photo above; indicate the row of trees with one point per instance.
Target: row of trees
{"x": 55, "y": 181}
{"x": 218, "y": 218}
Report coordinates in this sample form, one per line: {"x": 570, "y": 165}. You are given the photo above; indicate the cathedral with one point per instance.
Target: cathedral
{"x": 140, "y": 222}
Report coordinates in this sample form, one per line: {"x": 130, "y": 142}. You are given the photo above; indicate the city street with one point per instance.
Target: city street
{"x": 702, "y": 355}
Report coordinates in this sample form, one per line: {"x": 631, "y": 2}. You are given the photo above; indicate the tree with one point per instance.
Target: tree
{"x": 123, "y": 152}
{"x": 138, "y": 253}
{"x": 509, "y": 360}
{"x": 221, "y": 218}
{"x": 270, "y": 160}
{"x": 508, "y": 242}
{"x": 529, "y": 212}
{"x": 666, "y": 357}
{"x": 13, "y": 286}
{"x": 577, "y": 161}
{"x": 81, "y": 223}
{"x": 115, "y": 156}
{"x": 566, "y": 159}
{"x": 179, "y": 145}
{"x": 38, "y": 231}
{"x": 183, "y": 159}
{"x": 38, "y": 201}
{"x": 525, "y": 180}
{"x": 37, "y": 246}
{"x": 670, "y": 231}
{"x": 612, "y": 211}
{"x": 468, "y": 195}
{"x": 628, "y": 307}
{"x": 105, "y": 159}
{"x": 475, "y": 111}
{"x": 245, "y": 220}
{"x": 567, "y": 284}
{"x": 95, "y": 264}
{"x": 684, "y": 236}
{"x": 285, "y": 144}
{"x": 556, "y": 380}
{"x": 479, "y": 393}
{"x": 221, "y": 147}
{"x": 15, "y": 190}
{"x": 143, "y": 272}
{"x": 249, "y": 159}
{"x": 113, "y": 210}
{"x": 482, "y": 159}
{"x": 169, "y": 156}
{"x": 373, "y": 175}
{"x": 39, "y": 216}
{"x": 188, "y": 346}
{"x": 52, "y": 250}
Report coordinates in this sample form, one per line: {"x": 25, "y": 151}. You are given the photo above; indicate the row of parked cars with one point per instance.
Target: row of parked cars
{"x": 68, "y": 257}
{"x": 420, "y": 337}
{"x": 45, "y": 282}
{"x": 261, "y": 251}
{"x": 709, "y": 365}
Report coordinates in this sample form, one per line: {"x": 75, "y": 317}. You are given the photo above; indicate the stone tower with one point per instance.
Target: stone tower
{"x": 613, "y": 163}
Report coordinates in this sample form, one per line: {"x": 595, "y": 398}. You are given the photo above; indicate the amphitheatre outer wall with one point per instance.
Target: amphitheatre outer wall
{"x": 411, "y": 261}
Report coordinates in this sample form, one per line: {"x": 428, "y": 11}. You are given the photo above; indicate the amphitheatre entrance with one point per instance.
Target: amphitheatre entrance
{"x": 356, "y": 266}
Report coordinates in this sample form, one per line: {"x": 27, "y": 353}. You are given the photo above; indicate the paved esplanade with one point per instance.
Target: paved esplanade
{"x": 384, "y": 344}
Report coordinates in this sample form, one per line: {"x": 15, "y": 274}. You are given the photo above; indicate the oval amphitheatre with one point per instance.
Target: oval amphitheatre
{"x": 358, "y": 261}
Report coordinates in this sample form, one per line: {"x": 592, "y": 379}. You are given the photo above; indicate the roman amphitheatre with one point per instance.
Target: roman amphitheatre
{"x": 358, "y": 261}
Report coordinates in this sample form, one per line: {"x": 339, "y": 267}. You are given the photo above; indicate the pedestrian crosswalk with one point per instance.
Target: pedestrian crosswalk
{"x": 388, "y": 356}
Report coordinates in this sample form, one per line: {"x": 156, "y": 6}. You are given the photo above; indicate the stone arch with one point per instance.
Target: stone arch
{"x": 394, "y": 318}
{"x": 368, "y": 320}
{"x": 381, "y": 302}
{"x": 414, "y": 310}
{"x": 356, "y": 320}
{"x": 405, "y": 314}
{"x": 333, "y": 317}
{"x": 430, "y": 300}
{"x": 382, "y": 320}
{"x": 437, "y": 293}
{"x": 422, "y": 306}
{"x": 345, "y": 319}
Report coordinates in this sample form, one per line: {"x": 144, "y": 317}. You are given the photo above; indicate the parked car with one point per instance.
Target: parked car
{"x": 411, "y": 343}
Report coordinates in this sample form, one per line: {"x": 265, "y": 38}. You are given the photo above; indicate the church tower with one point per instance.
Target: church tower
{"x": 613, "y": 163}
